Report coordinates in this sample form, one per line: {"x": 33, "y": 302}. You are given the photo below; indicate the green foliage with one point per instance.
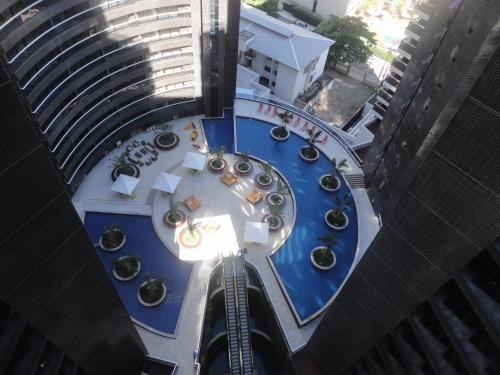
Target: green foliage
{"x": 266, "y": 168}
{"x": 343, "y": 202}
{"x": 312, "y": 138}
{"x": 126, "y": 266}
{"x": 400, "y": 4}
{"x": 306, "y": 15}
{"x": 164, "y": 127}
{"x": 368, "y": 5}
{"x": 243, "y": 157}
{"x": 174, "y": 205}
{"x": 338, "y": 167}
{"x": 328, "y": 240}
{"x": 282, "y": 187}
{"x": 352, "y": 39}
{"x": 191, "y": 227}
{"x": 269, "y": 6}
{"x": 382, "y": 53}
{"x": 285, "y": 118}
{"x": 275, "y": 210}
{"x": 218, "y": 152}
{"x": 119, "y": 161}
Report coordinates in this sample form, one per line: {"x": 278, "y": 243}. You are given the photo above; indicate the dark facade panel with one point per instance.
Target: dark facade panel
{"x": 46, "y": 254}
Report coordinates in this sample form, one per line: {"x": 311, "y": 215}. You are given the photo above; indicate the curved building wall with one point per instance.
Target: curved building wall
{"x": 91, "y": 71}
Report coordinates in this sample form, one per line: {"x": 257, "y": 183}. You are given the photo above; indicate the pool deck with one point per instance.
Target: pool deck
{"x": 94, "y": 195}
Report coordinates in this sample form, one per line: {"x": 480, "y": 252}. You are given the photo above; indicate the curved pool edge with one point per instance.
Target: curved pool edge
{"x": 303, "y": 321}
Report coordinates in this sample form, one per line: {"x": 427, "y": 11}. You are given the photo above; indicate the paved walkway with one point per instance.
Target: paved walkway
{"x": 94, "y": 195}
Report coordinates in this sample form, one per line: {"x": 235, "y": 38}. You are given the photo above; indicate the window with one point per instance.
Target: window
{"x": 267, "y": 68}
{"x": 273, "y": 83}
{"x": 275, "y": 72}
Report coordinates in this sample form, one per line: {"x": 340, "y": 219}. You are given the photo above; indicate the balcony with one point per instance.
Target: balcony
{"x": 384, "y": 97}
{"x": 407, "y": 47}
{"x": 414, "y": 29}
{"x": 379, "y": 109}
{"x": 391, "y": 81}
{"x": 398, "y": 66}
{"x": 424, "y": 10}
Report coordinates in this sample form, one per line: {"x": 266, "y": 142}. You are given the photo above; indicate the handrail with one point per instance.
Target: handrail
{"x": 108, "y": 30}
{"x": 81, "y": 93}
{"x": 116, "y": 130}
{"x": 332, "y": 131}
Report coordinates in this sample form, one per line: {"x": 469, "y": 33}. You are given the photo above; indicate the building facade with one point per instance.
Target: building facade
{"x": 76, "y": 77}
{"x": 288, "y": 70}
{"x": 326, "y": 8}
{"x": 424, "y": 298}
{"x": 91, "y": 71}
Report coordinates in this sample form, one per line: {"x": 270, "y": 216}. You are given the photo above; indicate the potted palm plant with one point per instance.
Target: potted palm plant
{"x": 126, "y": 268}
{"x": 165, "y": 138}
{"x": 309, "y": 152}
{"x": 217, "y": 163}
{"x": 330, "y": 182}
{"x": 190, "y": 236}
{"x": 174, "y": 217}
{"x": 112, "y": 238}
{"x": 336, "y": 218}
{"x": 243, "y": 166}
{"x": 121, "y": 166}
{"x": 323, "y": 257}
{"x": 280, "y": 132}
{"x": 264, "y": 179}
{"x": 274, "y": 218}
{"x": 152, "y": 291}
{"x": 277, "y": 197}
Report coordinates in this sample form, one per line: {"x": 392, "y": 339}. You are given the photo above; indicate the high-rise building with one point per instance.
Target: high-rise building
{"x": 91, "y": 71}
{"x": 76, "y": 78}
{"x": 424, "y": 298}
{"x": 328, "y": 289}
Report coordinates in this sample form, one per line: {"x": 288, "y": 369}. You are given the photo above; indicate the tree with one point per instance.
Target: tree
{"x": 269, "y": 6}
{"x": 352, "y": 39}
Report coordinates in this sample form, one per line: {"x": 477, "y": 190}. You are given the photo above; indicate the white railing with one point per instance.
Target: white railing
{"x": 332, "y": 131}
{"x": 108, "y": 97}
{"x": 116, "y": 130}
{"x": 97, "y": 59}
{"x": 110, "y": 115}
{"x": 173, "y": 57}
{"x": 105, "y": 31}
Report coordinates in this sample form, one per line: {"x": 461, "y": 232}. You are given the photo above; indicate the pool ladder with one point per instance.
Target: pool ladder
{"x": 237, "y": 316}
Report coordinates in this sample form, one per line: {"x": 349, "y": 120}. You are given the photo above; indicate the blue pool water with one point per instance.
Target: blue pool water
{"x": 308, "y": 288}
{"x": 220, "y": 131}
{"x": 156, "y": 260}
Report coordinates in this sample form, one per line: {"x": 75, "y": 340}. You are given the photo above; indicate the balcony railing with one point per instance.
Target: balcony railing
{"x": 332, "y": 131}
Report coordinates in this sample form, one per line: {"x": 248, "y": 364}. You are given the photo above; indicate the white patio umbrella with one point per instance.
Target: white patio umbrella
{"x": 194, "y": 160}
{"x": 166, "y": 182}
{"x": 256, "y": 232}
{"x": 125, "y": 184}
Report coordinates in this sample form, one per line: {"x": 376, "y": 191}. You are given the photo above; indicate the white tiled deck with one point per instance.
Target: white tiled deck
{"x": 94, "y": 195}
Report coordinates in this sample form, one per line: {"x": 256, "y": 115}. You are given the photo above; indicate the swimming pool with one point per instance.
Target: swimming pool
{"x": 156, "y": 260}
{"x": 220, "y": 131}
{"x": 308, "y": 289}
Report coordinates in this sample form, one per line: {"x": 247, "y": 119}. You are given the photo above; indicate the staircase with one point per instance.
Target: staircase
{"x": 238, "y": 327}
{"x": 355, "y": 181}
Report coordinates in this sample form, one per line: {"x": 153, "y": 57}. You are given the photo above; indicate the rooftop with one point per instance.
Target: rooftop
{"x": 279, "y": 40}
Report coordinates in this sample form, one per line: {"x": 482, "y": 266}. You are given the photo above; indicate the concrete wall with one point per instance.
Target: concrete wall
{"x": 324, "y": 8}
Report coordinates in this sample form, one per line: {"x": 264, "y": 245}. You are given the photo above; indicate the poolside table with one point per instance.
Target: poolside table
{"x": 254, "y": 197}
{"x": 192, "y": 203}
{"x": 229, "y": 178}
